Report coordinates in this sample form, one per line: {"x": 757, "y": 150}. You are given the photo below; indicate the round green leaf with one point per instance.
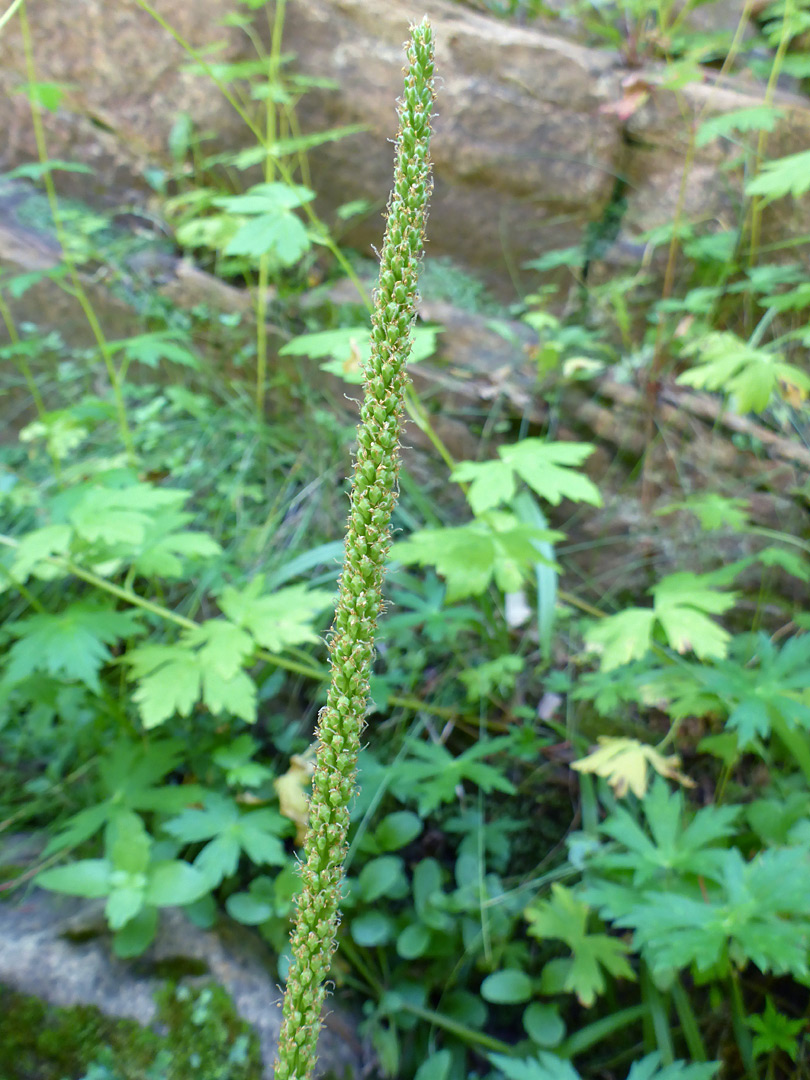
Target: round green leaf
{"x": 249, "y": 909}
{"x": 397, "y": 829}
{"x": 465, "y": 1007}
{"x": 137, "y": 935}
{"x": 379, "y": 876}
{"x": 413, "y": 941}
{"x": 506, "y": 987}
{"x": 543, "y": 1024}
{"x": 174, "y": 882}
{"x": 436, "y": 1067}
{"x": 372, "y": 928}
{"x": 202, "y": 912}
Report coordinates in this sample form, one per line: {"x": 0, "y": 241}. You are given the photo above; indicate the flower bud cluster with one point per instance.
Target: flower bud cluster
{"x": 351, "y": 646}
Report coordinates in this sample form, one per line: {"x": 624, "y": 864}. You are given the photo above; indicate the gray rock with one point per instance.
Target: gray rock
{"x": 530, "y": 135}
{"x": 57, "y": 949}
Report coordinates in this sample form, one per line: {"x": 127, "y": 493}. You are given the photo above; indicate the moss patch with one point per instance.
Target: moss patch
{"x": 204, "y": 1038}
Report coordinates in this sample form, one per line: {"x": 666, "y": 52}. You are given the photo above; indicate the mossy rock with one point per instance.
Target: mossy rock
{"x": 198, "y": 1035}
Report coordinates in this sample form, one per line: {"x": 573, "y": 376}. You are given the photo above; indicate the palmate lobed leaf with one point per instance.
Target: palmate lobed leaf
{"x": 549, "y": 468}
{"x": 756, "y": 911}
{"x": 682, "y": 606}
{"x": 348, "y": 349}
{"x": 150, "y": 349}
{"x": 775, "y": 1031}
{"x": 169, "y": 681}
{"x": 72, "y": 644}
{"x": 497, "y": 547}
{"x": 130, "y": 778}
{"x": 167, "y": 545}
{"x": 119, "y": 515}
{"x": 755, "y": 118}
{"x": 223, "y": 646}
{"x": 759, "y": 686}
{"x": 748, "y": 374}
{"x": 649, "y": 1068}
{"x": 278, "y": 619}
{"x": 564, "y": 918}
{"x": 431, "y": 774}
{"x": 235, "y": 758}
{"x": 713, "y": 511}
{"x": 36, "y": 548}
{"x": 493, "y": 676}
{"x": 786, "y": 176}
{"x": 669, "y": 844}
{"x": 230, "y": 832}
{"x": 282, "y": 236}
{"x": 622, "y": 638}
{"x": 205, "y": 665}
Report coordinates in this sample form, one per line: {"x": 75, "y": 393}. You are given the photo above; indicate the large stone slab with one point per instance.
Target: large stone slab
{"x": 534, "y": 139}
{"x": 56, "y": 948}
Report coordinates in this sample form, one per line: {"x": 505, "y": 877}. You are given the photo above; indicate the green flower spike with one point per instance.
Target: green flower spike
{"x": 351, "y": 646}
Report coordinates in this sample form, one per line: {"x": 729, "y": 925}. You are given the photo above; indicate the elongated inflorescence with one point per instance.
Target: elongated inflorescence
{"x": 351, "y": 646}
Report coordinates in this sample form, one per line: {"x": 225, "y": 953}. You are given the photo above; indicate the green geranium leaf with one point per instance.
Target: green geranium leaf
{"x": 786, "y": 176}
{"x": 549, "y": 468}
{"x": 206, "y": 664}
{"x": 279, "y": 619}
{"x": 683, "y": 604}
{"x": 169, "y": 682}
{"x": 151, "y": 349}
{"x": 750, "y": 375}
{"x": 496, "y": 547}
{"x": 115, "y": 516}
{"x": 282, "y": 235}
{"x": 564, "y": 918}
{"x": 223, "y": 646}
{"x": 72, "y": 644}
{"x": 230, "y": 832}
{"x": 545, "y": 1066}
{"x": 349, "y": 349}
{"x": 755, "y": 118}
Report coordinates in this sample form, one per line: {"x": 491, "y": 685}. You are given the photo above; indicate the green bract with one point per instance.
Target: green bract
{"x": 367, "y": 538}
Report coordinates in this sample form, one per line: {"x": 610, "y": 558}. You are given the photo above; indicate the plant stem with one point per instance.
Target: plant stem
{"x": 351, "y": 648}
{"x": 77, "y": 289}
{"x": 9, "y": 12}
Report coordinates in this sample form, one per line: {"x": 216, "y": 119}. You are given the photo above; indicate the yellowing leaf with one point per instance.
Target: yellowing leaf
{"x": 624, "y": 764}
{"x": 292, "y": 788}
